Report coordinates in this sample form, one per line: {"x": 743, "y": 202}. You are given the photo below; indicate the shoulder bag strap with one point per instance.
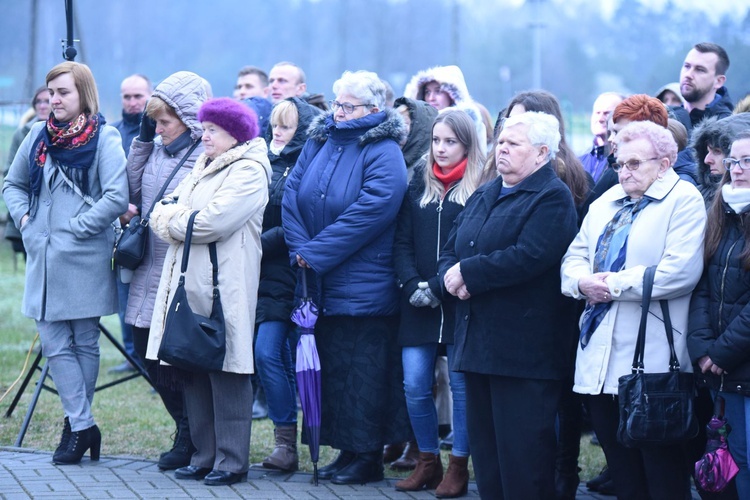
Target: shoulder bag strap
{"x": 674, "y": 363}
{"x": 211, "y": 251}
{"x": 648, "y": 285}
{"x": 144, "y": 219}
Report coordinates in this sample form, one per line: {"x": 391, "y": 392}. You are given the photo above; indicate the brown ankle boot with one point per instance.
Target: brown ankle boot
{"x": 427, "y": 474}
{"x": 407, "y": 461}
{"x": 284, "y": 456}
{"x": 456, "y": 480}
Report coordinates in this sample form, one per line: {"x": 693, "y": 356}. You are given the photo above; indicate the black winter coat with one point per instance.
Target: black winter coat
{"x": 277, "y": 278}
{"x": 510, "y": 249}
{"x": 420, "y": 234}
{"x": 719, "y": 321}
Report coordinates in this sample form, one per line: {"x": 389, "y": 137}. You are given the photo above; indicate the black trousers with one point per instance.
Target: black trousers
{"x": 658, "y": 473}
{"x": 174, "y": 400}
{"x": 511, "y": 423}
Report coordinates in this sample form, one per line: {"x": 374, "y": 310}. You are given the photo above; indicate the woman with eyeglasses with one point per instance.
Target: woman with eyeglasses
{"x": 719, "y": 328}
{"x": 339, "y": 216}
{"x": 652, "y": 217}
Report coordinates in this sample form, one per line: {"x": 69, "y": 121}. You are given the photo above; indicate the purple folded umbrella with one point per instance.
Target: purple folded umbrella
{"x": 716, "y": 467}
{"x": 308, "y": 372}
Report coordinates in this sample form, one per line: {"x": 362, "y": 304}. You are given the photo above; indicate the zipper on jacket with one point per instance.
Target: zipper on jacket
{"x": 437, "y": 255}
{"x": 723, "y": 282}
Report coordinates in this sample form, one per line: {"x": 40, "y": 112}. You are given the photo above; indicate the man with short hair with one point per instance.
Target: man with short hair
{"x": 286, "y": 79}
{"x": 251, "y": 82}
{"x": 134, "y": 91}
{"x": 702, "y": 79}
{"x": 595, "y": 161}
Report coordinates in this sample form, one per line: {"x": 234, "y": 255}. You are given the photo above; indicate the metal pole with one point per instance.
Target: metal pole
{"x": 69, "y": 52}
{"x": 536, "y": 32}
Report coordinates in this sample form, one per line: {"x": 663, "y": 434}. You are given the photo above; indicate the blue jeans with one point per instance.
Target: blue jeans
{"x": 72, "y": 351}
{"x": 419, "y": 371}
{"x": 273, "y": 358}
{"x": 737, "y": 412}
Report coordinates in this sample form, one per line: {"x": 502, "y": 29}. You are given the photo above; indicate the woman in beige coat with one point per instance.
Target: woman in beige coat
{"x": 229, "y": 188}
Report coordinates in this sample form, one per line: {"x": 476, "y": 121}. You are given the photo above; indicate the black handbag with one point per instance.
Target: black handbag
{"x": 131, "y": 247}
{"x": 656, "y": 409}
{"x": 190, "y": 341}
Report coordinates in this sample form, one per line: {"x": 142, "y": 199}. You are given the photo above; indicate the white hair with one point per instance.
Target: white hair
{"x": 364, "y": 85}
{"x": 544, "y": 129}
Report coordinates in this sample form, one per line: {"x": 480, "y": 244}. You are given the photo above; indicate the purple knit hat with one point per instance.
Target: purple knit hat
{"x": 236, "y": 118}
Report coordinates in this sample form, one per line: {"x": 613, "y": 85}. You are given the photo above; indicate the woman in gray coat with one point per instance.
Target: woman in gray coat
{"x": 172, "y": 112}
{"x": 66, "y": 187}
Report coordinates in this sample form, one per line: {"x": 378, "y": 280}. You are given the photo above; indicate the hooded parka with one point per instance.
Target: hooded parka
{"x": 149, "y": 166}
{"x": 339, "y": 211}
{"x": 230, "y": 193}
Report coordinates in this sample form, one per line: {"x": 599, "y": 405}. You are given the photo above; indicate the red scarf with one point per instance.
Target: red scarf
{"x": 455, "y": 175}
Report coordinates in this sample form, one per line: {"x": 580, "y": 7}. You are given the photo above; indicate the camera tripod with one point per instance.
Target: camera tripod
{"x": 40, "y": 385}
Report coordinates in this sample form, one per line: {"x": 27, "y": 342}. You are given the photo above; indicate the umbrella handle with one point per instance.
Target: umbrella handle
{"x": 719, "y": 406}
{"x": 304, "y": 282}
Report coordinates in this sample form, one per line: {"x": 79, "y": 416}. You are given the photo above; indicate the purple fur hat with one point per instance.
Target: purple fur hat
{"x": 236, "y": 118}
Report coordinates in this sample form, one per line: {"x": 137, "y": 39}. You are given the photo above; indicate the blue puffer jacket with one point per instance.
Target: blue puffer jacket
{"x": 339, "y": 212}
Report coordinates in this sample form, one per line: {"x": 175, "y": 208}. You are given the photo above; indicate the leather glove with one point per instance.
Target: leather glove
{"x": 419, "y": 299}
{"x": 148, "y": 129}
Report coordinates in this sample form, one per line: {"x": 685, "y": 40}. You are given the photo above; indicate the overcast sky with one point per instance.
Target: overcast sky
{"x": 713, "y": 10}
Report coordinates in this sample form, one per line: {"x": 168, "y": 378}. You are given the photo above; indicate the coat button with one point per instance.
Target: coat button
{"x": 45, "y": 233}
{"x": 471, "y": 243}
{"x": 466, "y": 318}
{"x": 739, "y": 388}
{"x": 47, "y": 202}
{"x": 322, "y": 196}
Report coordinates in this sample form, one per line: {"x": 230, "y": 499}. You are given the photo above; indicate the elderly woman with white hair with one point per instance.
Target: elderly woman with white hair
{"x": 339, "y": 217}
{"x": 502, "y": 261}
{"x": 651, "y": 218}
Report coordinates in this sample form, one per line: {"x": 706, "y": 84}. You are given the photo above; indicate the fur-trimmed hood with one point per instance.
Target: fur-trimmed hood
{"x": 184, "y": 92}
{"x": 372, "y": 128}
{"x": 720, "y": 133}
{"x": 420, "y": 133}
{"x": 450, "y": 78}
{"x": 251, "y": 150}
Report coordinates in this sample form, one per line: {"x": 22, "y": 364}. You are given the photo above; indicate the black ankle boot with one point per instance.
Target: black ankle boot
{"x": 344, "y": 459}
{"x": 78, "y": 444}
{"x": 63, "y": 440}
{"x": 181, "y": 452}
{"x": 366, "y": 468}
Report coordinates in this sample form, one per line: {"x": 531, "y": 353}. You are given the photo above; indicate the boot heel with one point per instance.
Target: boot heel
{"x": 96, "y": 443}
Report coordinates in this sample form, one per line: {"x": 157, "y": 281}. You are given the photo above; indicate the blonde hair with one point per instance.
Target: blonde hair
{"x": 84, "y": 81}
{"x": 285, "y": 113}
{"x": 463, "y": 126}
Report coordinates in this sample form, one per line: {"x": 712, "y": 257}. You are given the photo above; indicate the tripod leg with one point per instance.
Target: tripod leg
{"x": 32, "y": 405}
{"x": 25, "y": 383}
{"x": 130, "y": 359}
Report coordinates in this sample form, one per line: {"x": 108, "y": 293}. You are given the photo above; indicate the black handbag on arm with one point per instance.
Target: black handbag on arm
{"x": 656, "y": 409}
{"x": 131, "y": 247}
{"x": 190, "y": 341}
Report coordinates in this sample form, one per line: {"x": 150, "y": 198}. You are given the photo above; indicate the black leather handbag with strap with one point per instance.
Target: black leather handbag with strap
{"x": 656, "y": 409}
{"x": 131, "y": 247}
{"x": 191, "y": 341}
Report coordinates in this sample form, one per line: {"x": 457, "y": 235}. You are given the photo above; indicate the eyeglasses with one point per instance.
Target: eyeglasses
{"x": 744, "y": 163}
{"x": 348, "y": 107}
{"x": 630, "y": 164}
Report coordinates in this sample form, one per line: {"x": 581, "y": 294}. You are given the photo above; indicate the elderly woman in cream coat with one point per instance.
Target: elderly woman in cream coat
{"x": 228, "y": 186}
{"x": 666, "y": 219}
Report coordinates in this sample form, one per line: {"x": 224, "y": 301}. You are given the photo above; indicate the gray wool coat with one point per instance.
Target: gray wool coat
{"x": 69, "y": 273}
{"x": 149, "y": 166}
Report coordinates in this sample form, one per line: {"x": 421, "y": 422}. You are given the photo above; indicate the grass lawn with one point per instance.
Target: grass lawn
{"x": 132, "y": 419}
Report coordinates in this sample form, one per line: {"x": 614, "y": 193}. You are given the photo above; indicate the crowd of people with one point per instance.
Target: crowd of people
{"x": 480, "y": 277}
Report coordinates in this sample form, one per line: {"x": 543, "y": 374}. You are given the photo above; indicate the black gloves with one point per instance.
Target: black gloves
{"x": 148, "y": 129}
